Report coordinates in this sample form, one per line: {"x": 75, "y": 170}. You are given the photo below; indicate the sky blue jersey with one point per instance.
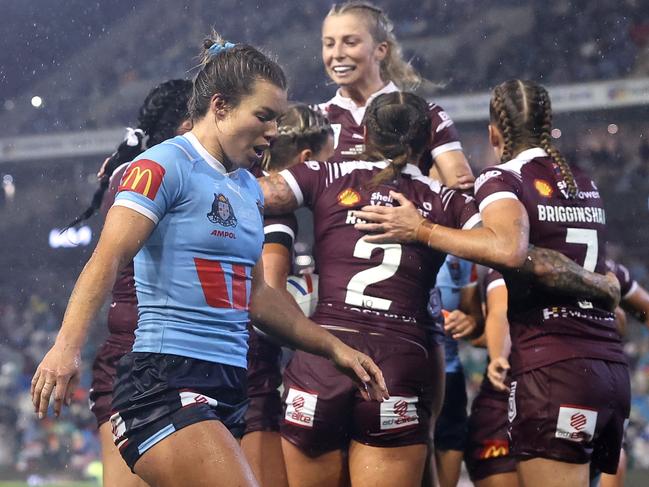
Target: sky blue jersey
{"x": 452, "y": 277}
{"x": 193, "y": 275}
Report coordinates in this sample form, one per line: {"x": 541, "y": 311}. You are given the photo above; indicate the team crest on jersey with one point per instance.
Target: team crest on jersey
{"x": 222, "y": 211}
{"x": 543, "y": 188}
{"x": 348, "y": 197}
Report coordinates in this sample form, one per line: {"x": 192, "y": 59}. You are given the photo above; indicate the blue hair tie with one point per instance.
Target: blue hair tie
{"x": 216, "y": 48}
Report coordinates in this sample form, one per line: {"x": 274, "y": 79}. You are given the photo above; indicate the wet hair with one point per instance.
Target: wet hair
{"x": 522, "y": 112}
{"x": 299, "y": 128}
{"x": 398, "y": 129}
{"x": 394, "y": 67}
{"x": 231, "y": 71}
{"x": 163, "y": 111}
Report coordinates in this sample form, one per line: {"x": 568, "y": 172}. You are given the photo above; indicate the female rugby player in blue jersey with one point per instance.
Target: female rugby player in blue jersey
{"x": 193, "y": 221}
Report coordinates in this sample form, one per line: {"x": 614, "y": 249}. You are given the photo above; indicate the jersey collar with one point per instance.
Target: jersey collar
{"x": 202, "y": 151}
{"x": 529, "y": 154}
{"x": 358, "y": 112}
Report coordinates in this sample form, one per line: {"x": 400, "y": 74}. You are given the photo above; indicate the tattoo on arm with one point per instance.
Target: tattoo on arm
{"x": 278, "y": 195}
{"x": 554, "y": 270}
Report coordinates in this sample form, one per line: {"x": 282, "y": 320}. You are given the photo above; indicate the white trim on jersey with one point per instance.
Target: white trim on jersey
{"x": 632, "y": 289}
{"x": 451, "y": 146}
{"x": 187, "y": 154}
{"x": 139, "y": 208}
{"x": 202, "y": 151}
{"x": 348, "y": 104}
{"x": 500, "y": 195}
{"x": 117, "y": 169}
{"x": 472, "y": 222}
{"x": 279, "y": 228}
{"x": 494, "y": 284}
{"x": 415, "y": 173}
{"x": 295, "y": 187}
{"x": 516, "y": 164}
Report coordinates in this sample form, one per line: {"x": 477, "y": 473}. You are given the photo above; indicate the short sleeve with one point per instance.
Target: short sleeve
{"x": 445, "y": 136}
{"x": 307, "y": 180}
{"x": 493, "y": 279}
{"x": 627, "y": 284}
{"x": 150, "y": 186}
{"x": 495, "y": 184}
{"x": 461, "y": 209}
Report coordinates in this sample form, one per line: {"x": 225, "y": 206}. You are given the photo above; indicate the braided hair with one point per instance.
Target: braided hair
{"x": 523, "y": 113}
{"x": 398, "y": 129}
{"x": 163, "y": 111}
{"x": 299, "y": 128}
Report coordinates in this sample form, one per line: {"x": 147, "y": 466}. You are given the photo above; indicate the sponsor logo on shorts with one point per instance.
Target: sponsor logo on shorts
{"x": 576, "y": 423}
{"x": 494, "y": 449}
{"x": 511, "y": 409}
{"x": 118, "y": 428}
{"x": 348, "y": 197}
{"x": 189, "y": 398}
{"x": 399, "y": 412}
{"x": 300, "y": 407}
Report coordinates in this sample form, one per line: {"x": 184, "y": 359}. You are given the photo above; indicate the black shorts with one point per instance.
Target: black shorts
{"x": 452, "y": 423}
{"x": 572, "y": 411}
{"x": 100, "y": 395}
{"x": 157, "y": 394}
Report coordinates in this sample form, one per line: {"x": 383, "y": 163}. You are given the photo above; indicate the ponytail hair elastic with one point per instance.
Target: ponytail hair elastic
{"x": 217, "y": 48}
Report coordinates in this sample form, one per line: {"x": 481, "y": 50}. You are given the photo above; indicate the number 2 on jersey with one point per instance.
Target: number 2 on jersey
{"x": 587, "y": 237}
{"x": 386, "y": 269}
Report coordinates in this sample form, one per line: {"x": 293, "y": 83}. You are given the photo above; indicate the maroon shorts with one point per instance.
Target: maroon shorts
{"x": 487, "y": 450}
{"x": 264, "y": 378}
{"x": 103, "y": 375}
{"x": 324, "y": 410}
{"x": 572, "y": 411}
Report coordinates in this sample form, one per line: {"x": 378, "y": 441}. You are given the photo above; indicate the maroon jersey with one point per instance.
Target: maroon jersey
{"x": 365, "y": 286}
{"x": 547, "y": 327}
{"x": 122, "y": 315}
{"x": 346, "y": 121}
{"x": 627, "y": 283}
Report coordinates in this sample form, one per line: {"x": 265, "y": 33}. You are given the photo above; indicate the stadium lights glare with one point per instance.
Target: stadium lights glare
{"x": 613, "y": 129}
{"x": 37, "y": 101}
{"x": 556, "y": 133}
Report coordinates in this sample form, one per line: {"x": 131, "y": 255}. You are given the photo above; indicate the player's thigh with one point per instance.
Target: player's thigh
{"x": 116, "y": 471}
{"x": 324, "y": 470}
{"x": 449, "y": 465}
{"x": 202, "y": 454}
{"x": 509, "y": 479}
{"x": 263, "y": 451}
{"x": 543, "y": 472}
{"x": 371, "y": 466}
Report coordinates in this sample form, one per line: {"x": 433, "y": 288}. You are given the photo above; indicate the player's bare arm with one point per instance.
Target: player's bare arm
{"x": 124, "y": 233}
{"x": 637, "y": 303}
{"x": 555, "y": 271}
{"x": 278, "y": 195}
{"x": 454, "y": 170}
{"x": 272, "y": 311}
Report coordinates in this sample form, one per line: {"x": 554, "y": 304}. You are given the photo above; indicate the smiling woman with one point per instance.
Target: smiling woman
{"x": 190, "y": 216}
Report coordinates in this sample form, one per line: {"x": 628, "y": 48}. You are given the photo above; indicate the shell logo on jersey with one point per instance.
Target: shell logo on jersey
{"x": 222, "y": 212}
{"x": 399, "y": 412}
{"x": 494, "y": 449}
{"x": 543, "y": 188}
{"x": 144, "y": 177}
{"x": 576, "y": 423}
{"x": 348, "y": 197}
{"x": 300, "y": 407}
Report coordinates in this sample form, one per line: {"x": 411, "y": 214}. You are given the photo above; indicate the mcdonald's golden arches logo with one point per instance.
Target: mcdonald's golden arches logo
{"x": 494, "y": 449}
{"x": 144, "y": 177}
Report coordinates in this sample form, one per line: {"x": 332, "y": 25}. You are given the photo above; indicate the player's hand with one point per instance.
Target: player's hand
{"x": 464, "y": 182}
{"x": 497, "y": 373}
{"x": 390, "y": 224}
{"x": 459, "y": 325}
{"x": 57, "y": 374}
{"x": 362, "y": 370}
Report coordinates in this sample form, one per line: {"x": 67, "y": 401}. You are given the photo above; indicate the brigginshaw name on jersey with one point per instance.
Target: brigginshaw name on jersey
{"x": 571, "y": 214}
